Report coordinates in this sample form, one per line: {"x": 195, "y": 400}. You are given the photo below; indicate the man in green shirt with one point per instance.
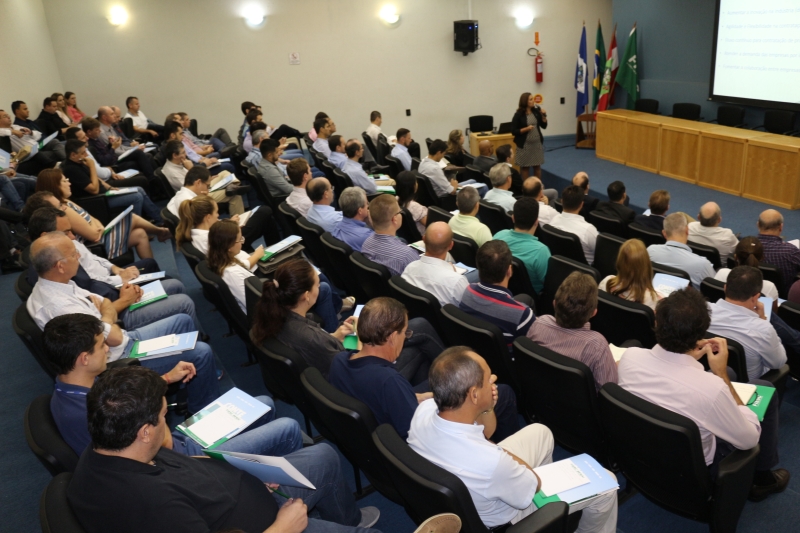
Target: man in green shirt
{"x": 524, "y": 246}
{"x": 466, "y": 222}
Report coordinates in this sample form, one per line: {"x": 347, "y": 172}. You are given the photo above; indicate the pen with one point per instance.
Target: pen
{"x": 279, "y": 493}
{"x": 141, "y": 270}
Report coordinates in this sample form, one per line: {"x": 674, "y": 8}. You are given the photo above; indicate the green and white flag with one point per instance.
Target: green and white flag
{"x": 628, "y": 77}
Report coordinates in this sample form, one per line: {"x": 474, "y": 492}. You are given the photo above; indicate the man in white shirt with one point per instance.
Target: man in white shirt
{"x": 400, "y": 150}
{"x": 299, "y": 173}
{"x": 141, "y": 124}
{"x": 707, "y": 230}
{"x": 501, "y": 194}
{"x": 374, "y": 128}
{"x": 432, "y": 272}
{"x": 107, "y": 118}
{"x": 570, "y": 221}
{"x": 677, "y": 254}
{"x": 21, "y": 137}
{"x": 320, "y": 192}
{"x": 534, "y": 188}
{"x": 452, "y": 430}
{"x": 430, "y": 167}
{"x": 324, "y": 128}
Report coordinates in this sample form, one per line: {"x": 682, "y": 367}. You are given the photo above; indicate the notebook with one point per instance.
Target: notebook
{"x": 127, "y": 153}
{"x": 117, "y": 218}
{"x": 223, "y": 419}
{"x": 166, "y": 345}
{"x": 152, "y": 292}
{"x": 119, "y": 192}
{"x": 575, "y": 481}
{"x": 145, "y": 278}
{"x": 665, "y": 284}
{"x": 267, "y": 469}
{"x": 222, "y": 183}
{"x": 280, "y": 246}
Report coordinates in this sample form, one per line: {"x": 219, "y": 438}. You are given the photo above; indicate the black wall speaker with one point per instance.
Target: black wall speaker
{"x": 465, "y": 36}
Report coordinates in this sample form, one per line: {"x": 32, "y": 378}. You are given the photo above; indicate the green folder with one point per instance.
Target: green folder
{"x": 760, "y": 400}
{"x": 350, "y": 342}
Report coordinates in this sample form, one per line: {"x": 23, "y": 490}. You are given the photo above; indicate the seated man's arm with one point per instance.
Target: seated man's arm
{"x": 108, "y": 314}
{"x": 128, "y": 294}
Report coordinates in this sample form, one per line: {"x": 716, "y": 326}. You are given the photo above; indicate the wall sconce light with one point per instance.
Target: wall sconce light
{"x": 523, "y": 17}
{"x": 389, "y": 15}
{"x": 254, "y": 16}
{"x": 118, "y": 16}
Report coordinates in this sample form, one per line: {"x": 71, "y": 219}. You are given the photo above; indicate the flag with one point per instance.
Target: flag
{"x": 580, "y": 77}
{"x": 599, "y": 66}
{"x": 609, "y": 75}
{"x": 628, "y": 77}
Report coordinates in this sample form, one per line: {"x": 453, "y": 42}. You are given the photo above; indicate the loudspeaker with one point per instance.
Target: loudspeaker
{"x": 465, "y": 36}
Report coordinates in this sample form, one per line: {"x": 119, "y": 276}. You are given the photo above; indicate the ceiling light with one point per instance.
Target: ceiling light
{"x": 389, "y": 15}
{"x": 524, "y": 17}
{"x": 254, "y": 16}
{"x": 118, "y": 16}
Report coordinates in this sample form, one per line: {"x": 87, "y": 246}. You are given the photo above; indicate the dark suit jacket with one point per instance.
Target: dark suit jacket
{"x": 617, "y": 211}
{"x": 655, "y": 222}
{"x": 49, "y": 123}
{"x": 520, "y": 121}
{"x": 589, "y": 205}
{"x": 485, "y": 163}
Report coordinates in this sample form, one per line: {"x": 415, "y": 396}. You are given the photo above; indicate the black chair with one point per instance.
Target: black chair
{"x": 170, "y": 221}
{"x": 437, "y": 214}
{"x": 730, "y": 115}
{"x": 790, "y": 313}
{"x": 341, "y": 179}
{"x": 560, "y": 391}
{"x": 780, "y": 122}
{"x": 418, "y": 302}
{"x": 471, "y": 172}
{"x": 646, "y": 235}
{"x": 494, "y": 216}
{"x": 253, "y": 288}
{"x": 605, "y": 224}
{"x": 481, "y": 123}
{"x": 620, "y": 320}
{"x": 646, "y": 105}
{"x": 425, "y": 193}
{"x": 558, "y": 268}
{"x": 55, "y": 514}
{"x": 773, "y": 274}
{"x": 338, "y": 254}
{"x": 22, "y": 287}
{"x": 408, "y": 231}
{"x": 290, "y": 215}
{"x": 429, "y": 490}
{"x": 658, "y": 268}
{"x": 395, "y": 166}
{"x": 485, "y": 338}
{"x": 605, "y": 253}
{"x": 713, "y": 289}
{"x": 520, "y": 282}
{"x": 164, "y": 183}
{"x": 126, "y": 125}
{"x": 370, "y": 145}
{"x": 563, "y": 243}
{"x": 383, "y": 150}
{"x": 352, "y": 424}
{"x": 374, "y": 278}
{"x": 31, "y": 336}
{"x": 193, "y": 256}
{"x": 44, "y": 439}
{"x": 428, "y": 142}
{"x": 661, "y": 454}
{"x": 686, "y": 111}
{"x": 709, "y": 252}
{"x": 312, "y": 235}
{"x": 464, "y": 250}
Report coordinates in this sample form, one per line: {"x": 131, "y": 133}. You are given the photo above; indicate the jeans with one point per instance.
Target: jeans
{"x": 10, "y": 194}
{"x": 790, "y": 337}
{"x": 176, "y": 303}
{"x": 142, "y": 204}
{"x": 419, "y": 351}
{"x": 217, "y": 144}
{"x": 204, "y": 387}
{"x": 221, "y": 167}
{"x": 328, "y": 305}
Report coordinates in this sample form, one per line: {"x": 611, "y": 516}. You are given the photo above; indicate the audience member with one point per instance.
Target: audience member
{"x": 466, "y": 222}
{"x": 61, "y": 110}
{"x": 224, "y": 244}
{"x": 141, "y": 124}
{"x": 106, "y": 174}
{"x": 490, "y": 300}
{"x": 501, "y": 195}
{"x": 707, "y": 230}
{"x": 254, "y": 156}
{"x": 383, "y": 246}
{"x": 320, "y": 192}
{"x": 670, "y": 376}
{"x": 634, "y": 279}
{"x": 785, "y": 256}
{"x": 220, "y": 141}
{"x": 568, "y": 332}
{"x": 454, "y": 153}
{"x": 431, "y": 272}
{"x": 659, "y": 205}
{"x": 400, "y": 149}
{"x": 353, "y": 229}
{"x": 49, "y": 121}
{"x": 524, "y": 245}
{"x": 277, "y": 184}
{"x": 750, "y": 252}
{"x": 22, "y": 138}
{"x": 104, "y": 152}
{"x": 34, "y": 132}
{"x": 486, "y": 160}
{"x": 337, "y": 145}
{"x": 374, "y": 128}
{"x": 615, "y": 207}
{"x": 324, "y": 127}
{"x": 109, "y": 135}
{"x": 430, "y": 167}
{"x": 534, "y": 188}
{"x": 581, "y": 179}
{"x": 504, "y": 155}
{"x": 299, "y": 173}
{"x": 73, "y": 110}
{"x": 406, "y": 189}
{"x": 246, "y": 108}
{"x": 571, "y": 221}
{"x": 677, "y": 254}
{"x": 355, "y": 151}
{"x": 174, "y": 132}
{"x": 453, "y": 431}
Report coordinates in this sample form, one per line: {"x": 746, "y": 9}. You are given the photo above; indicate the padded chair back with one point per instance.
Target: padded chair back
{"x": 713, "y": 289}
{"x": 312, "y": 235}
{"x": 22, "y": 287}
{"x": 646, "y": 105}
{"x": 408, "y": 230}
{"x": 352, "y": 424}
{"x": 481, "y": 123}
{"x": 44, "y": 439}
{"x": 428, "y": 142}
{"x": 437, "y": 214}
{"x": 369, "y": 144}
{"x": 520, "y": 282}
{"x": 494, "y": 216}
{"x": 709, "y": 252}
{"x": 126, "y": 125}
{"x": 646, "y": 235}
{"x": 342, "y": 177}
{"x": 471, "y": 172}
{"x": 658, "y": 450}
{"x": 558, "y": 268}
{"x": 383, "y": 150}
{"x": 55, "y": 514}
{"x": 464, "y": 250}
{"x": 614, "y": 226}
{"x": 686, "y": 111}
{"x": 395, "y": 166}
{"x": 425, "y": 193}
{"x": 790, "y": 313}
{"x": 164, "y": 183}
{"x": 736, "y": 357}
{"x": 620, "y": 320}
{"x": 418, "y": 302}
{"x": 485, "y": 338}
{"x": 290, "y": 215}
{"x": 338, "y": 254}
{"x": 193, "y": 255}
{"x": 31, "y": 336}
{"x": 606, "y": 252}
{"x": 170, "y": 221}
{"x": 563, "y": 243}
{"x": 773, "y": 274}
{"x": 672, "y": 271}
{"x": 223, "y": 300}
{"x": 781, "y": 122}
{"x": 730, "y": 115}
{"x": 561, "y": 393}
{"x": 253, "y": 289}
{"x": 373, "y": 277}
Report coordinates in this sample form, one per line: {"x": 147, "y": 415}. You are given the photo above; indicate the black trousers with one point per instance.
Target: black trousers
{"x": 285, "y": 131}
{"x": 138, "y": 160}
{"x": 262, "y": 223}
{"x": 135, "y": 181}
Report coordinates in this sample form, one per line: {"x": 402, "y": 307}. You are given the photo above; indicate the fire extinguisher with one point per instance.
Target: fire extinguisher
{"x": 539, "y": 68}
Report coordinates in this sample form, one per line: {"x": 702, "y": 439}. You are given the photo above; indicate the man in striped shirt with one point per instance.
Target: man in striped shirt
{"x": 383, "y": 246}
{"x": 490, "y": 300}
{"x": 568, "y": 332}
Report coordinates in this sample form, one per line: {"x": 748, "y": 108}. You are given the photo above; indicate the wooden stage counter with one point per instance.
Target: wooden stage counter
{"x": 754, "y": 164}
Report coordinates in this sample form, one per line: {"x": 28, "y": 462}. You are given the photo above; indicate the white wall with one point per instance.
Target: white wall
{"x": 28, "y": 64}
{"x": 198, "y": 56}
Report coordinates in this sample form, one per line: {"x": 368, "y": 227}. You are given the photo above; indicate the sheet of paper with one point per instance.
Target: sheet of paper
{"x": 167, "y": 341}
{"x": 128, "y": 173}
{"x": 616, "y": 352}
{"x": 419, "y": 246}
{"x": 219, "y": 423}
{"x": 767, "y": 301}
{"x": 665, "y": 284}
{"x": 796, "y": 242}
{"x": 358, "y": 310}
{"x": 267, "y": 469}
{"x": 118, "y": 192}
{"x": 744, "y": 390}
{"x": 473, "y": 185}
{"x": 560, "y": 476}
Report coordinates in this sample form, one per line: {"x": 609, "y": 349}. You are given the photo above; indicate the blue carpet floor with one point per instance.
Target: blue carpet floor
{"x": 23, "y": 478}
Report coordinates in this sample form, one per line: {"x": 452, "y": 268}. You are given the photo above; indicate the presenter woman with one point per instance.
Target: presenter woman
{"x": 527, "y": 127}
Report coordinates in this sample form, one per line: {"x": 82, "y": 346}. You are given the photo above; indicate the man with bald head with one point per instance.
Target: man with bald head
{"x": 320, "y": 192}
{"x": 783, "y": 255}
{"x": 707, "y": 230}
{"x": 534, "y": 188}
{"x": 108, "y": 135}
{"x": 677, "y": 254}
{"x": 486, "y": 160}
{"x": 432, "y": 272}
{"x": 581, "y": 179}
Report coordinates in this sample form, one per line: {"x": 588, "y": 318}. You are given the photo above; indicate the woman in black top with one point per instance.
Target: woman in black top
{"x": 455, "y": 148}
{"x": 527, "y": 127}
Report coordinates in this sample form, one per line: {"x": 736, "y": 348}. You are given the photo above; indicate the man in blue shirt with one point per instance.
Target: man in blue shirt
{"x": 336, "y": 145}
{"x": 325, "y": 128}
{"x": 400, "y": 150}
{"x": 320, "y": 192}
{"x": 677, "y": 254}
{"x": 352, "y": 167}
{"x": 353, "y": 229}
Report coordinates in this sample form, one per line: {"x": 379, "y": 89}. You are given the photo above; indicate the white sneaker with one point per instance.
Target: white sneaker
{"x": 369, "y": 516}
{"x": 440, "y": 523}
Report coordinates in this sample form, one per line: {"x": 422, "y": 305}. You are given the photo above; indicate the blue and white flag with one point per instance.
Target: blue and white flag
{"x": 581, "y": 78}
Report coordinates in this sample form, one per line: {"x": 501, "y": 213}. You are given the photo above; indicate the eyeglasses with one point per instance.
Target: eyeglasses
{"x": 240, "y": 239}
{"x": 409, "y": 333}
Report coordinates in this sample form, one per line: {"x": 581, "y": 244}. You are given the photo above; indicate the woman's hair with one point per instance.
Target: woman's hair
{"x": 522, "y": 107}
{"x": 453, "y": 146}
{"x": 67, "y": 96}
{"x": 221, "y": 237}
{"x": 634, "y": 273}
{"x": 292, "y": 279}
{"x": 191, "y": 214}
{"x": 749, "y": 252}
{"x": 55, "y": 96}
{"x": 404, "y": 187}
{"x": 50, "y": 180}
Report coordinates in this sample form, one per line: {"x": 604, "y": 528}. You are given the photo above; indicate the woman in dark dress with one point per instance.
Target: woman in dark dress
{"x": 527, "y": 127}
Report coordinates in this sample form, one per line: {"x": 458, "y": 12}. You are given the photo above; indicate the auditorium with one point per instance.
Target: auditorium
{"x": 400, "y": 266}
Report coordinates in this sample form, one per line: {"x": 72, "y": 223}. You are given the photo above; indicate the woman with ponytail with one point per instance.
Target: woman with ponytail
{"x": 749, "y": 252}
{"x": 224, "y": 245}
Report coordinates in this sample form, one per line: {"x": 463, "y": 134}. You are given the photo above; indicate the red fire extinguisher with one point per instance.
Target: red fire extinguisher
{"x": 539, "y": 68}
